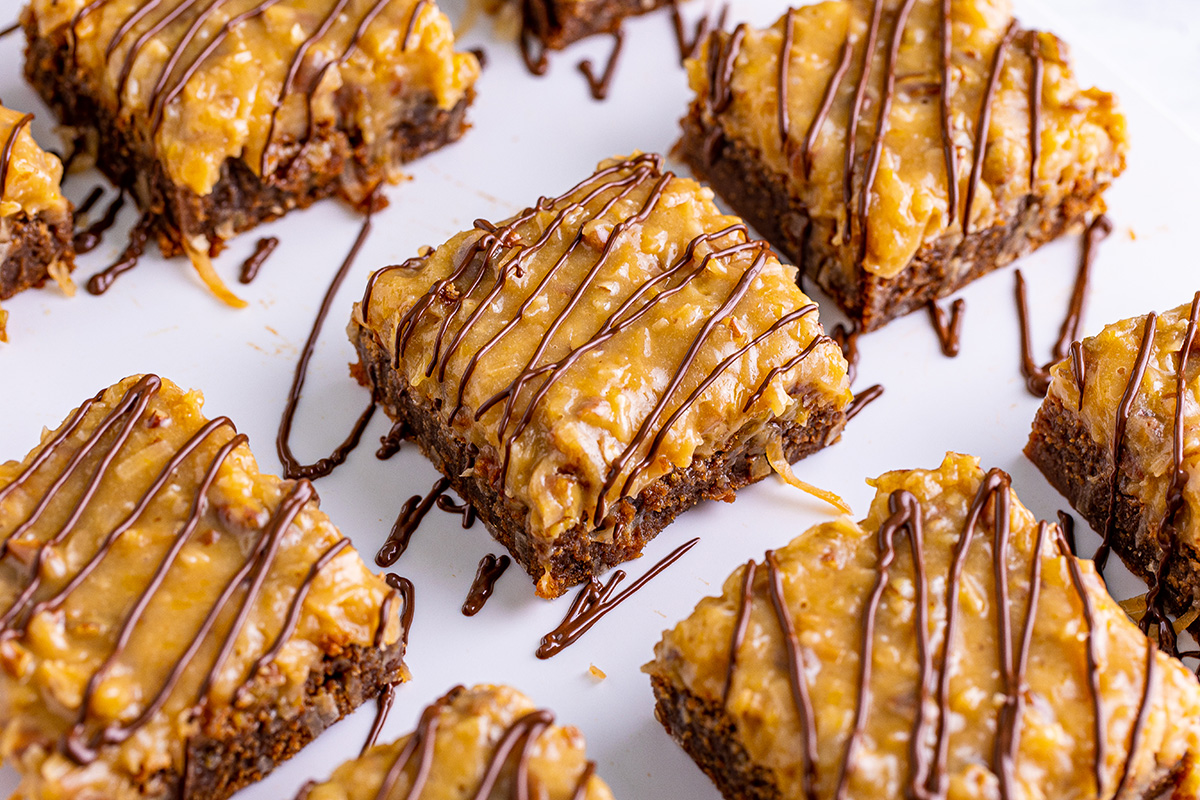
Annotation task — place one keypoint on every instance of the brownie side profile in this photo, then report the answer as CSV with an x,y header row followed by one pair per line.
x,y
35,244
529,358
830,667
576,556
304,161
893,177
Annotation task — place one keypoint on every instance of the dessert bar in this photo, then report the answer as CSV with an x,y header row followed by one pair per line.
x,y
1114,437
947,646
897,150
484,742
585,371
36,223
217,116
173,623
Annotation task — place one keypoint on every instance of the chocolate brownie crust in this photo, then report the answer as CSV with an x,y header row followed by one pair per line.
x,y
1078,467
34,244
310,170
575,556
239,748
939,268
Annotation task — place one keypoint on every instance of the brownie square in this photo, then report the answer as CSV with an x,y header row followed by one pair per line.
x,y
587,370
219,116
895,152
173,623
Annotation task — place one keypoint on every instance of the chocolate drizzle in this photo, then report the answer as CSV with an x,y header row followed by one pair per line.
x,y
594,600
97,452
292,468
946,35
599,87
739,628
984,122
536,22
87,240
90,201
1132,387
831,89
486,264
860,92
948,331
1037,377
781,92
490,570
464,510
389,443
847,339
383,707
688,49
6,153
411,514
1078,370
13,28
862,400
262,251
1035,108
139,234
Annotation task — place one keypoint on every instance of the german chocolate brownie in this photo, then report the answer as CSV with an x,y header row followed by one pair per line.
x,y
485,742
36,223
218,116
173,623
1113,437
898,149
587,370
949,645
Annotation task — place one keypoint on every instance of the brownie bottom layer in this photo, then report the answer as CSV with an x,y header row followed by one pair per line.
x,y
571,21
1063,449
707,734
328,163
575,556
241,747
938,269
32,246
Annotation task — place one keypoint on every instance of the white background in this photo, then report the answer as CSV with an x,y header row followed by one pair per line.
x,y
538,136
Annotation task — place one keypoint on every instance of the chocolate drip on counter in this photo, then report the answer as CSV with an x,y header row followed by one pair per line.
x,y
594,600
1168,534
98,451
862,400
465,510
139,234
500,252
262,251
860,92
389,443
946,36
688,49
383,707
948,331
536,21
599,87
13,28
292,468
411,514
88,239
90,201
984,122
1037,377
847,339
739,629
6,153
490,570
831,90
881,124
1132,387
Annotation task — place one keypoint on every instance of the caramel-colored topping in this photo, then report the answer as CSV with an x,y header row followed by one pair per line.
x,y
30,177
485,742
600,340
1136,410
946,646
903,120
251,79
153,579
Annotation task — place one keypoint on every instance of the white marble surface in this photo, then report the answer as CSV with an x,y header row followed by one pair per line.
x,y
531,137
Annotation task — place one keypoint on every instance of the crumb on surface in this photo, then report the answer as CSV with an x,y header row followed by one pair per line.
x,y
597,673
